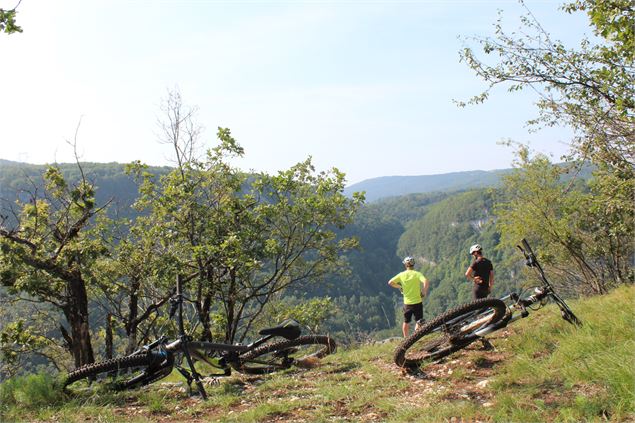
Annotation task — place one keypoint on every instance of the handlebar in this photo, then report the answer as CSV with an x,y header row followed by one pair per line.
x,y
547,289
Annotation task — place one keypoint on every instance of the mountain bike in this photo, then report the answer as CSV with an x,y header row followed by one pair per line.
x,y
279,348
459,327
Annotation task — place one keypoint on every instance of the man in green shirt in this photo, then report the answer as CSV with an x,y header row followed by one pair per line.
x,y
414,286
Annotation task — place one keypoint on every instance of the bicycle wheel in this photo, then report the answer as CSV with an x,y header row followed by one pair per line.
x,y
116,374
304,351
448,332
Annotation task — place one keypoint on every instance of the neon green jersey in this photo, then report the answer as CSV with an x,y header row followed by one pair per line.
x,y
410,281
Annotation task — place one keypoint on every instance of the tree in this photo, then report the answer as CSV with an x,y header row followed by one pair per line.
x,y
592,90
136,277
7,20
46,254
191,210
536,203
240,238
290,238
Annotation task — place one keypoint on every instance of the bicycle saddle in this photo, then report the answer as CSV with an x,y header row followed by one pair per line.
x,y
289,329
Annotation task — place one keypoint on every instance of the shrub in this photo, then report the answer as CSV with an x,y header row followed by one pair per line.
x,y
30,392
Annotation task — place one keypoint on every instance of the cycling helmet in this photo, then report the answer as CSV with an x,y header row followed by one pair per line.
x,y
409,261
475,247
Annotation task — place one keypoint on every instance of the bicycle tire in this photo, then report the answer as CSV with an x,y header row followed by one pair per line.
x,y
104,374
447,329
284,354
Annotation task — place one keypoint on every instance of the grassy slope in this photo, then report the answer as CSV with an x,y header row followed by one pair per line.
x,y
543,369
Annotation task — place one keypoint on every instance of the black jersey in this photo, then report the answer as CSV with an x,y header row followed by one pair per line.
x,y
482,267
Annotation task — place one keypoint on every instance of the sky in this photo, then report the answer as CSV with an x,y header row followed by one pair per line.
x,y
367,87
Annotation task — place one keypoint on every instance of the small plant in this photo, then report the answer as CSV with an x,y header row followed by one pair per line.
x,y
156,404
31,392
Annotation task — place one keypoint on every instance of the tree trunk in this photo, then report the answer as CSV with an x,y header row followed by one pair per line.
x,y
229,328
133,311
204,317
109,347
76,313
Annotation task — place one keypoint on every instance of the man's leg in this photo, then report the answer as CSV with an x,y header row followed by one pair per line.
x,y
418,313
407,315
479,291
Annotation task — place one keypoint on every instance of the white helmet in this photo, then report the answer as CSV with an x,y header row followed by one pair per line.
x,y
409,261
475,247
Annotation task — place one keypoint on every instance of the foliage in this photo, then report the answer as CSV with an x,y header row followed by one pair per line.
x,y
310,313
30,393
585,253
367,268
136,278
591,89
111,184
241,240
47,255
357,317
7,21
16,342
406,208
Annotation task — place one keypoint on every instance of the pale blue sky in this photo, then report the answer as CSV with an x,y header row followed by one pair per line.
x,y
365,86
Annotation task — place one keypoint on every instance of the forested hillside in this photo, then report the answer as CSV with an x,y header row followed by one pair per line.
x,y
441,238
435,227
355,303
110,179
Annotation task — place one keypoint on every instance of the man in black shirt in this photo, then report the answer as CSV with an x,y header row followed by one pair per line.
x,y
481,272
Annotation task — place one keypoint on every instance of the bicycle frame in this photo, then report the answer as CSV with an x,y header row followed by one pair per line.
x,y
279,348
518,308
464,324
164,351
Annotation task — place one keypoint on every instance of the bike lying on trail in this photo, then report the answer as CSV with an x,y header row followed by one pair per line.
x,y
464,324
157,360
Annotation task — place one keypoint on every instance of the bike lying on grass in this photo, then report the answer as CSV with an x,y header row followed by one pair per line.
x,y
157,360
464,324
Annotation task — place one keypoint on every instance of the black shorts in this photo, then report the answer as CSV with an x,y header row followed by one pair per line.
x,y
410,310
480,291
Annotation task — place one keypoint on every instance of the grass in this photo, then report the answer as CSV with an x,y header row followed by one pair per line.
x,y
584,373
35,393
543,369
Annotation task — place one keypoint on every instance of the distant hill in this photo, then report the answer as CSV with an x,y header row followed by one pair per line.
x,y
112,183
392,186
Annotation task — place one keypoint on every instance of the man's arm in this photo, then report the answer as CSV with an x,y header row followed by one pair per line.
x,y
394,282
491,279
468,273
426,285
